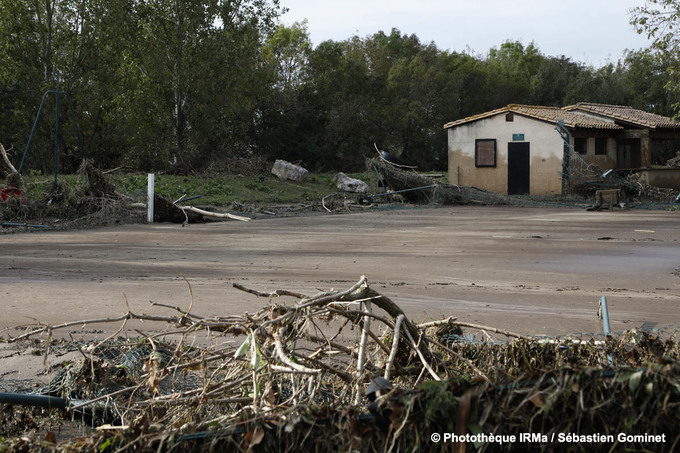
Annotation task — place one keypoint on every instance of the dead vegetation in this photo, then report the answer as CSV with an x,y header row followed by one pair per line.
x,y
93,200
293,377
585,179
414,187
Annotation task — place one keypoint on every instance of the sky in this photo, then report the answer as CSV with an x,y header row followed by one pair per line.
x,y
594,32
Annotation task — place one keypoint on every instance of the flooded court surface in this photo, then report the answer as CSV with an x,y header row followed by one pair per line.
x,y
532,271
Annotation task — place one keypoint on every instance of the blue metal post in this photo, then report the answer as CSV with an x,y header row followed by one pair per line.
x,y
56,137
56,145
35,125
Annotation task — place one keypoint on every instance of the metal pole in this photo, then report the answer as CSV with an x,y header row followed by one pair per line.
x,y
56,146
566,137
56,137
35,125
605,316
401,191
605,324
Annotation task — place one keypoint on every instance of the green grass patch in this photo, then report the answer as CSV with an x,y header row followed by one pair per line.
x,y
215,190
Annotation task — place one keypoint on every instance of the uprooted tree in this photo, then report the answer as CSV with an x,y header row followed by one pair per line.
x,y
293,377
7,170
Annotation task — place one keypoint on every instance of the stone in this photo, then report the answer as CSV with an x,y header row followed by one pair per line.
x,y
348,184
286,170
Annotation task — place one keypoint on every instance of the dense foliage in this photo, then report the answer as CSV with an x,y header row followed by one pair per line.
x,y
198,83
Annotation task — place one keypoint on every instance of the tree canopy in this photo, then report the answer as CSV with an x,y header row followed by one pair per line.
x,y
660,21
196,83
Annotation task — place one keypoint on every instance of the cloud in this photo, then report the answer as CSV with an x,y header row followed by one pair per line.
x,y
591,31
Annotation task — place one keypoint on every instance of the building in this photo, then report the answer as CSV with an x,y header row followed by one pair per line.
x,y
519,149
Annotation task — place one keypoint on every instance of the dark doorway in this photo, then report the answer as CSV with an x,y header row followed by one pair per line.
x,y
518,168
628,155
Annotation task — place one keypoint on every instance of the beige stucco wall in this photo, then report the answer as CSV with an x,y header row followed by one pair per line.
x,y
661,177
603,161
545,151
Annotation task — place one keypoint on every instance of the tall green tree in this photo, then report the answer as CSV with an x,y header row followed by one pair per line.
x,y
197,64
646,76
286,123
42,41
342,92
152,80
511,68
660,21
550,83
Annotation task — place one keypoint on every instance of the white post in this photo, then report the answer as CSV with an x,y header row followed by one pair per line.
x,y
149,199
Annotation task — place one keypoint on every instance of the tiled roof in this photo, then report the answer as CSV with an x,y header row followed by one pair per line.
x,y
570,119
626,114
581,115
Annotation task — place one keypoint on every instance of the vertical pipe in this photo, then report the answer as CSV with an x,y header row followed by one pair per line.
x,y
56,137
566,137
605,324
149,202
30,137
605,316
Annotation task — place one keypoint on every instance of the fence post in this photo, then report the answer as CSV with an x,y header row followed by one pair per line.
x,y
149,200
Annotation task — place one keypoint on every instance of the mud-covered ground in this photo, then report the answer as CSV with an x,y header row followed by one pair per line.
x,y
533,271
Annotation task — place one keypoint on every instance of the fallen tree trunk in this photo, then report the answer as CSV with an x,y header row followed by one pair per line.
x,y
14,179
6,159
219,215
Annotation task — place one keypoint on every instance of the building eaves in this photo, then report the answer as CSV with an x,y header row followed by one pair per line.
x,y
479,116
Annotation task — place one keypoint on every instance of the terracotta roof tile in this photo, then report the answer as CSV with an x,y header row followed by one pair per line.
x,y
582,115
570,119
626,114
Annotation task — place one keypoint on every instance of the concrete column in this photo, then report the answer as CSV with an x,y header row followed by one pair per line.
x,y
645,151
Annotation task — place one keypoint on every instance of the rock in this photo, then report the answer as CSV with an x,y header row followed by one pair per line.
x,y
344,182
286,170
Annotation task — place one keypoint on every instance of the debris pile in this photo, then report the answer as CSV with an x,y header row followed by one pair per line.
x,y
585,179
296,377
674,162
92,200
417,188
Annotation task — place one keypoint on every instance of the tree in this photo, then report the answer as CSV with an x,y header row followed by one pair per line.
x,y
660,21
42,40
646,76
550,84
341,91
151,79
196,63
287,121
511,68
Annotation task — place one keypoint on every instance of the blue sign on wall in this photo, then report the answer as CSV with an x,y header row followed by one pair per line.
x,y
517,137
